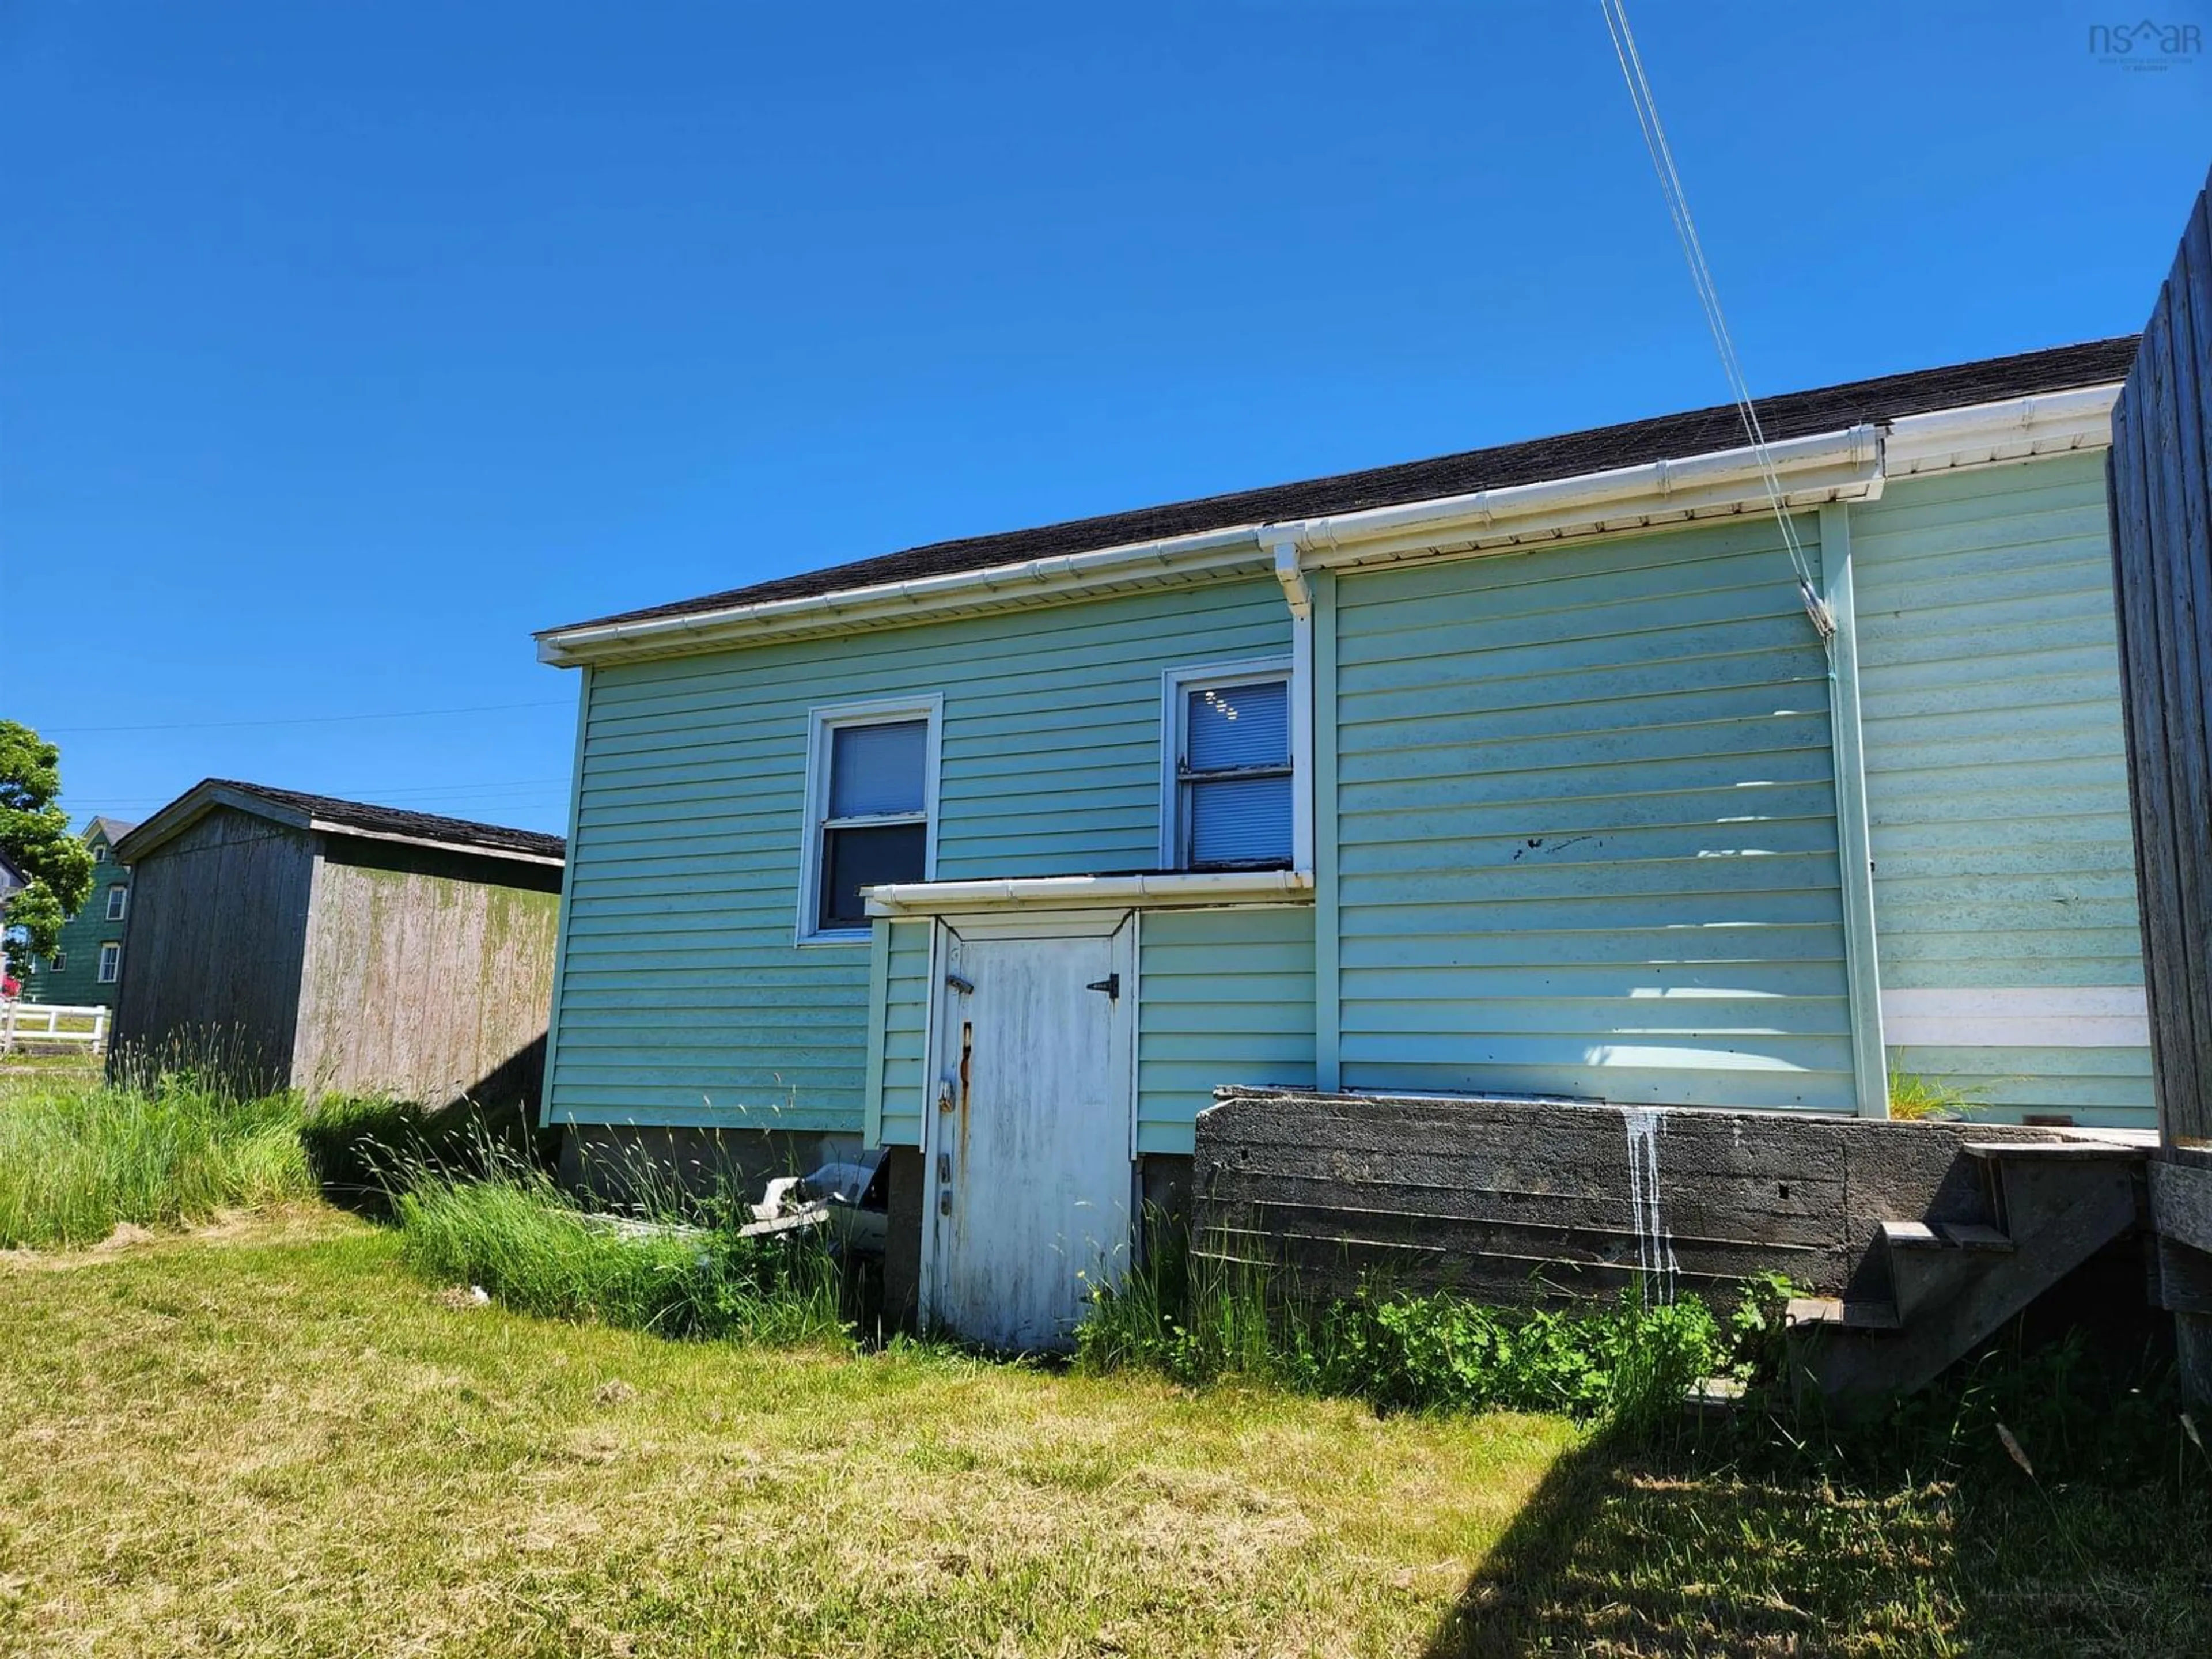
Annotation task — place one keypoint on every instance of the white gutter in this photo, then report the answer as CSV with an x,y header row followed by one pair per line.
x,y
1981,433
891,602
1850,464
930,898
1830,467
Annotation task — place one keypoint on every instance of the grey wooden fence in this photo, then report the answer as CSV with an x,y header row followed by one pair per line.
x,y
2160,476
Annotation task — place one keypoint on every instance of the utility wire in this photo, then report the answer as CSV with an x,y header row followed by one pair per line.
x,y
1709,297
546,786
312,720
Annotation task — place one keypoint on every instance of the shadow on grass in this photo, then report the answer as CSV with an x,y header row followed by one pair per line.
x,y
360,1149
1740,1539
1624,1550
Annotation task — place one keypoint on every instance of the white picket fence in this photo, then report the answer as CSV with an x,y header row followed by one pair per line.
x,y
43,1023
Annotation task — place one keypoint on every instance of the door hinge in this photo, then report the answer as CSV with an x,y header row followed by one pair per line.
x,y
1111,985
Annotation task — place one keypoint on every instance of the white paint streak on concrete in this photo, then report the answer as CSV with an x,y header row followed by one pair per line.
x,y
1655,1247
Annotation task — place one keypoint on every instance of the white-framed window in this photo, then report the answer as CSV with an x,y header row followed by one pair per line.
x,y
110,963
100,852
117,898
1227,798
871,809
59,961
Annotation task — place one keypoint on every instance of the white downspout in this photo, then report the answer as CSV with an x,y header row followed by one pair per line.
x,y
1297,592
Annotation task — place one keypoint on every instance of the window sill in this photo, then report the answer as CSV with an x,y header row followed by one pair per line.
x,y
924,898
856,936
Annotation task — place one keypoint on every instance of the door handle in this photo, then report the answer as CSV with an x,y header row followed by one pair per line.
x,y
1111,985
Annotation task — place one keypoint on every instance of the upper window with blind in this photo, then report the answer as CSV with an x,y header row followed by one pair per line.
x,y
1228,806
872,797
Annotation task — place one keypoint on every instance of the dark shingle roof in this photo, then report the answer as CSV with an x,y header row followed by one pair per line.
x,y
1668,437
462,834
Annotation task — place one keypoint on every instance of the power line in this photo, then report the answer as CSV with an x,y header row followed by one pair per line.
x,y
311,720
1709,296
547,786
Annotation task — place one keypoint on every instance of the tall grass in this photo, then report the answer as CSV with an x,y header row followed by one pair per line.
x,y
1199,1315
78,1158
506,1227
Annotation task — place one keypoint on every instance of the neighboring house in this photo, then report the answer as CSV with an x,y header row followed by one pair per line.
x,y
1523,770
86,966
296,941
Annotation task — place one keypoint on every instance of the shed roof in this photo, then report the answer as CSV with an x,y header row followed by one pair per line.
x,y
328,813
1693,432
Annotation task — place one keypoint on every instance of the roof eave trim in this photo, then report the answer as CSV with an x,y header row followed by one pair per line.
x,y
1827,466
189,808
937,898
2010,429
999,587
473,848
1851,464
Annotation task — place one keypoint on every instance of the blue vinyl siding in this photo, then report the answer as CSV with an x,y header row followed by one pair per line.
x,y
1586,826
684,998
905,1081
1996,765
1224,996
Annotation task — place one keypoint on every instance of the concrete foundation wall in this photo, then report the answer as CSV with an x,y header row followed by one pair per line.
x,y
902,1239
607,1159
1517,1200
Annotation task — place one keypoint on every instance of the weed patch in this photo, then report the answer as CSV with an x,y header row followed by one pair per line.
x,y
506,1227
78,1158
1198,1317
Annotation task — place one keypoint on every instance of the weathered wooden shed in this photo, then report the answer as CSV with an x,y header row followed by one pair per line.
x,y
297,940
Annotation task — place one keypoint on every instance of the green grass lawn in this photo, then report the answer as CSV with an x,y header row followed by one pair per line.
x,y
269,1438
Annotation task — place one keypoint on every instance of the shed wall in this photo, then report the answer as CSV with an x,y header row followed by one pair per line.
x,y
684,997
426,975
1585,830
211,954
1997,790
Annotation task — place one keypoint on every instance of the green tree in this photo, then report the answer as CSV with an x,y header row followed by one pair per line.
x,y
35,835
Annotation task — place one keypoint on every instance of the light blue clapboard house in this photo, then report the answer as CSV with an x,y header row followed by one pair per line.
x,y
1552,769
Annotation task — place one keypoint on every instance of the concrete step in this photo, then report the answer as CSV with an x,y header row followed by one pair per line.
x,y
1943,1236
2056,1152
1954,1283
1911,1235
1833,1313
1972,1236
1930,1264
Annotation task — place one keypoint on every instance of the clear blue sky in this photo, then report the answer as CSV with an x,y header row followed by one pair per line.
x,y
343,345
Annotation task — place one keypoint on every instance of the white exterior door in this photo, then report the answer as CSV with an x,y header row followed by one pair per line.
x,y
1031,1173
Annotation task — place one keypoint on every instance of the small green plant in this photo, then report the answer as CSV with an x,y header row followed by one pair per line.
x,y
1914,1098
1758,1328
